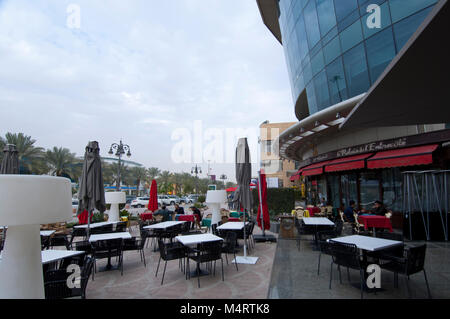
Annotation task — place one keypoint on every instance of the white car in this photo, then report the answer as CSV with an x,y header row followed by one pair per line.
x,y
166,200
140,202
74,205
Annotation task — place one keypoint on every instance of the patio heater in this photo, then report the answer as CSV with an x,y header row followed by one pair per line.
x,y
49,200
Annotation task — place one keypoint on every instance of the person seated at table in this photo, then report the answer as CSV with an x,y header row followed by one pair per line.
x,y
197,211
349,211
179,210
167,214
379,209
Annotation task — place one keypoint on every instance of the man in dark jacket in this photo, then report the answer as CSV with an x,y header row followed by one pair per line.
x,y
179,210
379,209
167,214
348,212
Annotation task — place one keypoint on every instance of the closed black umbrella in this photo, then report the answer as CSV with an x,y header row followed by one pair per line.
x,y
10,162
91,194
243,195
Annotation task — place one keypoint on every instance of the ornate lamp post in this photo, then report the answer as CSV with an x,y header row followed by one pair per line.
x,y
196,170
120,150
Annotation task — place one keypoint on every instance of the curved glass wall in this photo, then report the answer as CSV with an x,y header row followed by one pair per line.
x,y
332,51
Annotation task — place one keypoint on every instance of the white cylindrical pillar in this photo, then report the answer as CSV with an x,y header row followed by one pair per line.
x,y
21,266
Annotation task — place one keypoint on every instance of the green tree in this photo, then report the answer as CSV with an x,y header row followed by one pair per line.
x,y
62,162
164,182
152,173
31,158
138,174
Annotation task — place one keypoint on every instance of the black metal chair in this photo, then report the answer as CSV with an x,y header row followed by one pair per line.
x,y
77,232
411,263
323,244
121,227
106,249
229,246
206,252
346,255
397,251
55,282
45,242
136,244
84,245
77,260
58,240
105,229
169,251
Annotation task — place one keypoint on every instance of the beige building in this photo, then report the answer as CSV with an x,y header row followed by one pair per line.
x,y
271,164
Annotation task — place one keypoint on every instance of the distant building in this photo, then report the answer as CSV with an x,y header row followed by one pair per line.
x,y
271,164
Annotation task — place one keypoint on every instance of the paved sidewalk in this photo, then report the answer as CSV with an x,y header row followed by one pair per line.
x,y
251,281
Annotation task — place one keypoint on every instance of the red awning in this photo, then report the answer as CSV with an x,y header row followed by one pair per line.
x,y
295,177
314,169
420,155
347,163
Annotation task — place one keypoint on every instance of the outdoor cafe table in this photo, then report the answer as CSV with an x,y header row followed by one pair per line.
x,y
109,236
317,222
164,225
375,222
232,226
365,244
52,255
47,233
146,216
94,225
192,240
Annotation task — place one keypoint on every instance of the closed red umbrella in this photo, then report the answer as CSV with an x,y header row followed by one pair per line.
x,y
263,216
153,201
231,189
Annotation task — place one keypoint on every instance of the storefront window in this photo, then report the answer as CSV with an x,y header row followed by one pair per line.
x,y
392,189
349,188
370,189
334,184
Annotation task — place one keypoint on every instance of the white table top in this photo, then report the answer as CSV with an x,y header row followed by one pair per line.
x,y
367,243
317,221
197,239
52,255
124,235
47,232
232,226
94,225
164,225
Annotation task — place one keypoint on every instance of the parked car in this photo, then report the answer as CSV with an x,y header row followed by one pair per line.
x,y
193,198
140,202
130,198
186,200
174,199
166,200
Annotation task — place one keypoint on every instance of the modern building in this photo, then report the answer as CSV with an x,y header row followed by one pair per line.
x,y
275,168
369,82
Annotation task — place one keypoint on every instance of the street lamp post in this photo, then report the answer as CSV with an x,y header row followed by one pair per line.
x,y
120,150
196,170
223,177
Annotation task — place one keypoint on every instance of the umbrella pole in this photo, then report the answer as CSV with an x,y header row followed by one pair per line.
x,y
89,224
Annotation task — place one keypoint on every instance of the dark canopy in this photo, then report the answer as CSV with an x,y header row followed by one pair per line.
x,y
91,194
243,195
10,161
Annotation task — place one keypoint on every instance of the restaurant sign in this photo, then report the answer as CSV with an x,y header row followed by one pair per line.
x,y
407,141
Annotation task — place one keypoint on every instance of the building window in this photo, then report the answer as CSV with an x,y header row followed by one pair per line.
x,y
357,76
344,7
336,82
349,188
380,52
401,9
404,29
327,17
370,189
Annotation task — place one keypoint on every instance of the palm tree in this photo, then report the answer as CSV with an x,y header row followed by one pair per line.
x,y
31,158
63,163
138,174
153,172
164,182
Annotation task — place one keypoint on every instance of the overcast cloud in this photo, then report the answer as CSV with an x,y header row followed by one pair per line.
x,y
138,70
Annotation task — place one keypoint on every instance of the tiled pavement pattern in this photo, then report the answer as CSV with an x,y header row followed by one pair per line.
x,y
294,275
251,281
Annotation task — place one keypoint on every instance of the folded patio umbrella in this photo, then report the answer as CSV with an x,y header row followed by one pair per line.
x,y
263,210
153,201
91,194
10,161
243,195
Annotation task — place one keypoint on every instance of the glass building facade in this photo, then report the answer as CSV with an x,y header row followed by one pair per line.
x,y
334,54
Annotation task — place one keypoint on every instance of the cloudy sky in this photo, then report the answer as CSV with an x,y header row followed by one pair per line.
x,y
156,74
